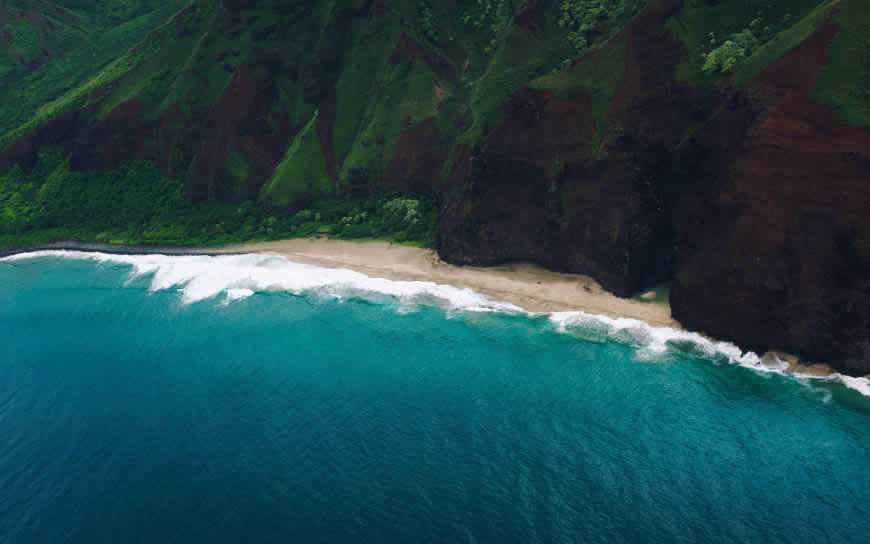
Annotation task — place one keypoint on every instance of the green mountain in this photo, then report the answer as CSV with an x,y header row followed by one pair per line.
x,y
50,47
723,145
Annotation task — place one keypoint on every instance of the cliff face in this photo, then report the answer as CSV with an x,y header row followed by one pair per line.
x,y
624,159
776,245
584,154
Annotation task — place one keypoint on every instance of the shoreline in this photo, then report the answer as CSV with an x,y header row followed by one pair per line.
x,y
528,286
105,247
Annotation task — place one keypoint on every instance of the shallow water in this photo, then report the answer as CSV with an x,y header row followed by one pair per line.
x,y
198,399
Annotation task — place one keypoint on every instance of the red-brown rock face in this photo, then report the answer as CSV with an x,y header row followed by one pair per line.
x,y
234,126
777,252
551,186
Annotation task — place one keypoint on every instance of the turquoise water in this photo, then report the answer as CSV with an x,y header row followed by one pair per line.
x,y
247,399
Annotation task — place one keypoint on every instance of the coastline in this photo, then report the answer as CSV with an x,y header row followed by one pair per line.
x,y
104,247
528,286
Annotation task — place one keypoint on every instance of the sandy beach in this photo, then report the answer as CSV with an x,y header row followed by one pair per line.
x,y
525,285
528,286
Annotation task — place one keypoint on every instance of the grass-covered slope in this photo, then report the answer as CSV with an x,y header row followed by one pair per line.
x,y
49,47
286,103
844,82
138,204
224,88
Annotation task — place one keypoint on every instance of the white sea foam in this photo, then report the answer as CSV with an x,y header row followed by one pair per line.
x,y
201,277
862,385
237,294
656,340
237,277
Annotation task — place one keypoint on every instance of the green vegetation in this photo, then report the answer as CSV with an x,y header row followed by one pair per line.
x,y
519,58
426,20
582,18
25,39
597,77
63,44
237,166
381,92
726,57
844,82
490,17
348,96
783,42
705,27
137,204
302,173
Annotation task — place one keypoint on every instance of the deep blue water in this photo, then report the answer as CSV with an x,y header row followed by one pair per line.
x,y
130,415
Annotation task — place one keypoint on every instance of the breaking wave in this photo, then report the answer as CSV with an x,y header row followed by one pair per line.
x,y
236,277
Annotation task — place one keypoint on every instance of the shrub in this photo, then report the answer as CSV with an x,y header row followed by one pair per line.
x,y
136,203
357,231
355,218
425,7
401,212
580,17
489,18
303,216
728,55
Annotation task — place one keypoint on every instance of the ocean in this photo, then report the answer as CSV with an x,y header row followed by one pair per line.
x,y
249,399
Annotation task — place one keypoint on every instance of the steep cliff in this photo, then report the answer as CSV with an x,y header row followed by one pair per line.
x,y
724,145
775,245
